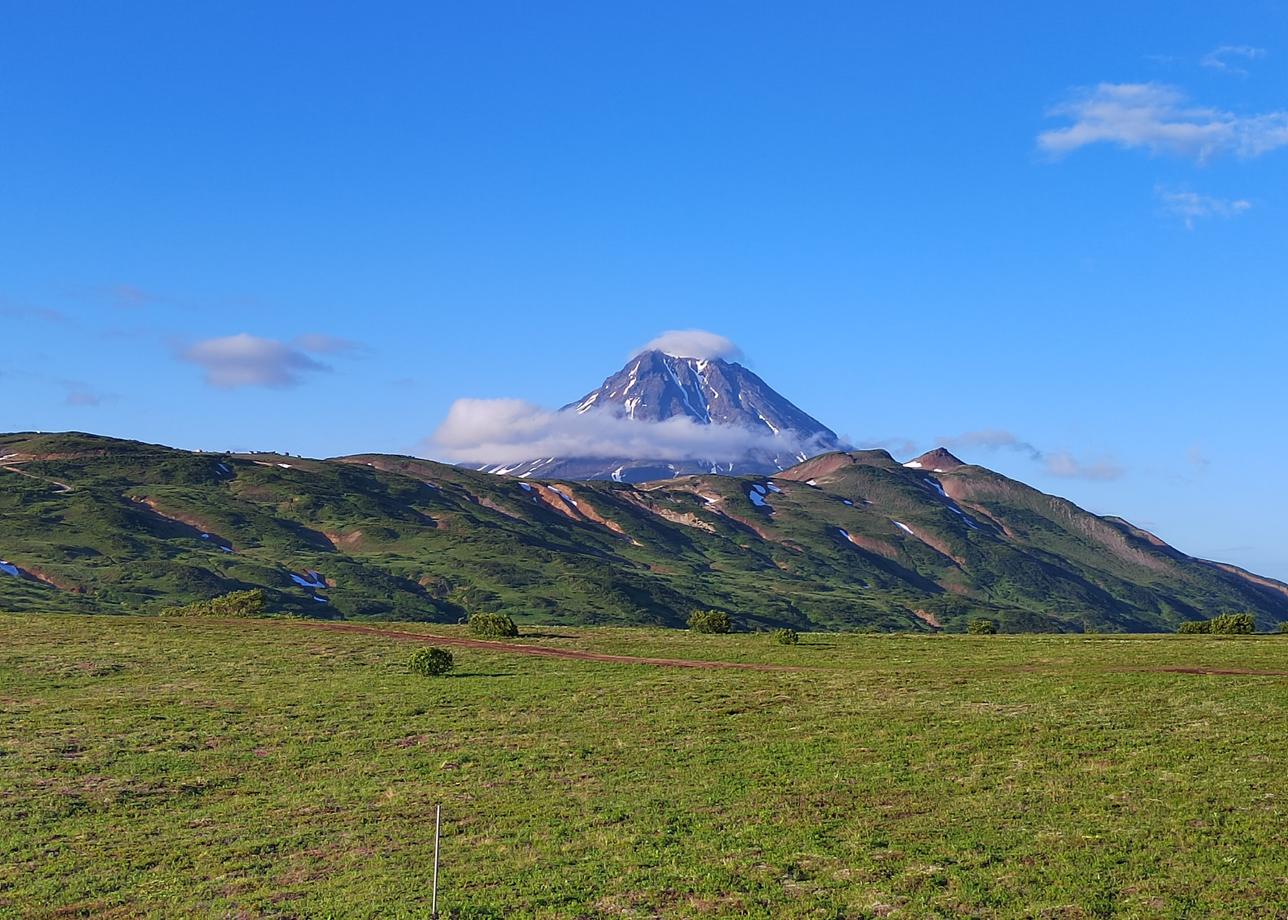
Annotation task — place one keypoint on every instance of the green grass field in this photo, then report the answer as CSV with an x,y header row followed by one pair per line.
x,y
271,769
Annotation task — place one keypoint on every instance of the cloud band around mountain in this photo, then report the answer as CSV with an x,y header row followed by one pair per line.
x,y
512,430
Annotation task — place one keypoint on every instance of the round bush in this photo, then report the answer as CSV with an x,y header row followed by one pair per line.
x,y
786,636
981,627
710,621
431,662
493,625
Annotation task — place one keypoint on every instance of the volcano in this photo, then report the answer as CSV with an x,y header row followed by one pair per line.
x,y
655,387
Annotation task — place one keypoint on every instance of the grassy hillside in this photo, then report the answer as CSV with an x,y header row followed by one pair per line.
x,y
169,768
843,541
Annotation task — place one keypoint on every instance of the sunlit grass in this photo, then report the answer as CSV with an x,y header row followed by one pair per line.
x,y
271,769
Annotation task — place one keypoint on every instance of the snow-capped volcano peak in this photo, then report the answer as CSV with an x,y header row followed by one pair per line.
x,y
656,386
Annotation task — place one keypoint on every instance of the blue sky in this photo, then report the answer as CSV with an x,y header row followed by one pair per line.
x,y
1054,234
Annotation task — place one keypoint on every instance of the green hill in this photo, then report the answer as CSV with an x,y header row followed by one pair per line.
x,y
846,540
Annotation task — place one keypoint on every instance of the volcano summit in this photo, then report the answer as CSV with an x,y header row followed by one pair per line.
x,y
709,415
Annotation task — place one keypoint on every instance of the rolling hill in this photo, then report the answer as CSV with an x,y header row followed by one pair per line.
x,y
844,540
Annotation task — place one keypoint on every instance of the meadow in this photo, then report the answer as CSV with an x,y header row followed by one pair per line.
x,y
271,768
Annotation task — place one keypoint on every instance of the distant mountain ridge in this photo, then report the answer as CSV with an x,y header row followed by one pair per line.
x,y
655,387
844,540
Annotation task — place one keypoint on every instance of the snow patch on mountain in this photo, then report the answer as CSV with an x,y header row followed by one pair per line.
x,y
309,579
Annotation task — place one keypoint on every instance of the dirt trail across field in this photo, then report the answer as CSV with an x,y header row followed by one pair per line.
x,y
7,463
518,648
1214,672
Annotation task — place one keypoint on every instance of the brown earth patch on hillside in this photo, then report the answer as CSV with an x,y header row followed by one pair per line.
x,y
872,545
928,618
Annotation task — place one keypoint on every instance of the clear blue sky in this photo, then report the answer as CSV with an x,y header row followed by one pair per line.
x,y
1063,224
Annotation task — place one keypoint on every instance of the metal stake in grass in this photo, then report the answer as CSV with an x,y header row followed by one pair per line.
x,y
433,903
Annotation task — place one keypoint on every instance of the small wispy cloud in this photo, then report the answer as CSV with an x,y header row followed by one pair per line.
x,y
1190,207
321,344
1197,458
1161,120
80,394
693,343
245,360
896,446
1055,463
991,439
11,310
1226,57
130,296
1065,465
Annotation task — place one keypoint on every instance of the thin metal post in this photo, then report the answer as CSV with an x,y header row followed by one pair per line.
x,y
433,906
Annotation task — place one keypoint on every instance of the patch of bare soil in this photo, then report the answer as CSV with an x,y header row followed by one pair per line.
x,y
928,618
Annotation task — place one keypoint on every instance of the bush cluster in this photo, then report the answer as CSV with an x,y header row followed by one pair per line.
x,y
786,636
710,621
1226,624
236,604
980,626
493,625
431,662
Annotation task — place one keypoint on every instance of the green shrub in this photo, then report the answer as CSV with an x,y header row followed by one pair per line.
x,y
1225,624
237,604
981,626
493,625
1283,627
1234,624
710,621
431,662
786,636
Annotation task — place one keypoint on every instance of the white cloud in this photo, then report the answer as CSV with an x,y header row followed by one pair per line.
x,y
1191,206
246,360
510,430
1158,118
1058,463
693,343
1223,58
